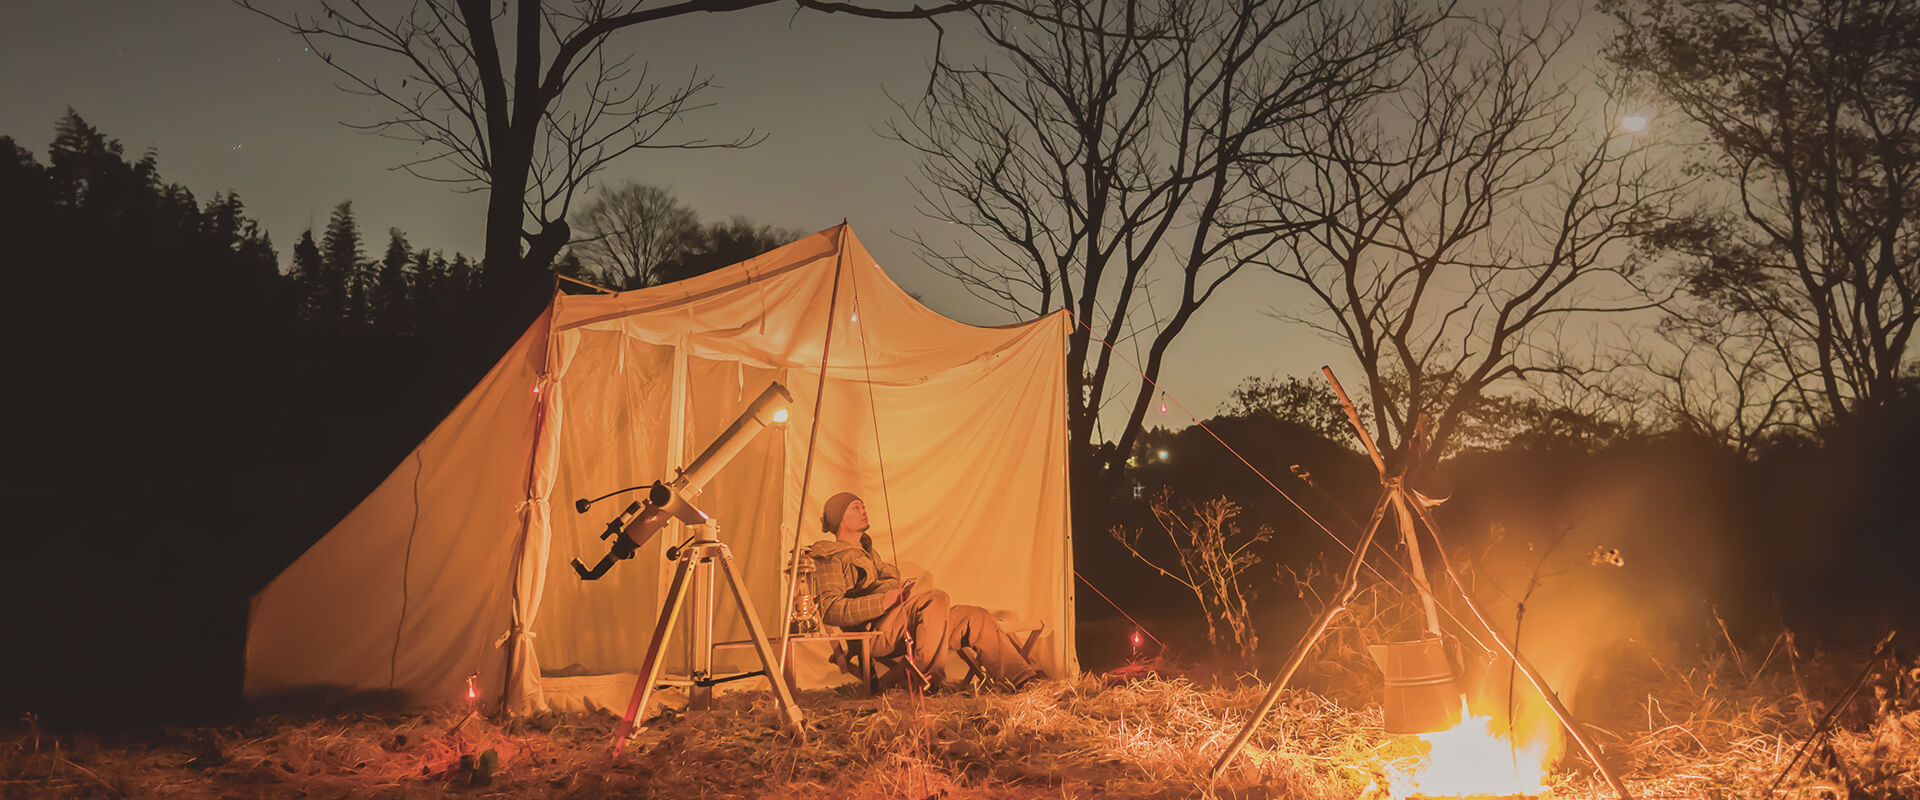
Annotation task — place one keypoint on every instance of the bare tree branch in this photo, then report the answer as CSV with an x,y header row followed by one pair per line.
x,y
1081,161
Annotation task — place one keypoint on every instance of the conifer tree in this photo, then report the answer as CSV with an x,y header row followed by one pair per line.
x,y
464,275
340,259
319,297
391,308
429,288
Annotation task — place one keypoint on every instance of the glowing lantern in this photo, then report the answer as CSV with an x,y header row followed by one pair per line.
x,y
473,690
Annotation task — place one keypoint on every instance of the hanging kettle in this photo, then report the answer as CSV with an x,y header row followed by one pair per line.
x,y
1422,693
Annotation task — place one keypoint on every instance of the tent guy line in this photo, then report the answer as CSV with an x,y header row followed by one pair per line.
x,y
1166,396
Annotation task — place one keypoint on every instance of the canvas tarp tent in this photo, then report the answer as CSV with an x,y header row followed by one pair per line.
x,y
458,563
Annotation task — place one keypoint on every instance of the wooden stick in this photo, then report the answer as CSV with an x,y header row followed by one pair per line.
x,y
1833,713
1418,569
1353,416
1540,685
1348,585
600,289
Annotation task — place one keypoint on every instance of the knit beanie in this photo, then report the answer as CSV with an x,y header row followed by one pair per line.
x,y
835,509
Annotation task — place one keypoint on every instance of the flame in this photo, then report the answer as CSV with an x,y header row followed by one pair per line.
x,y
1470,759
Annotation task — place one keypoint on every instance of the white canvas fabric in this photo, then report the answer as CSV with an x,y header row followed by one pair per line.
x,y
458,563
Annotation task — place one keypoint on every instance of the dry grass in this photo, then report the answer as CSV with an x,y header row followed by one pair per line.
x,y
1730,727
1709,731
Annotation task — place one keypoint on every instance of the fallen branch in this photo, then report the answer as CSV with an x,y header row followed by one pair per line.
x,y
1833,713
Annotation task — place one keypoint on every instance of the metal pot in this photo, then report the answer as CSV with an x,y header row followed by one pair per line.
x,y
1422,693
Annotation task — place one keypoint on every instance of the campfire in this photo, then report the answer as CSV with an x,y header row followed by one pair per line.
x,y
1470,760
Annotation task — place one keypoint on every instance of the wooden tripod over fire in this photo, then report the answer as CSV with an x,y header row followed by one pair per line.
x,y
1407,504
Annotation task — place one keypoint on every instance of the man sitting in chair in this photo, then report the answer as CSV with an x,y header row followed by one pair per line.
x,y
855,590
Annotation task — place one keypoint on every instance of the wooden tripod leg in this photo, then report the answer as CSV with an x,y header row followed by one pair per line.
x,y
1587,745
656,651
761,646
1348,585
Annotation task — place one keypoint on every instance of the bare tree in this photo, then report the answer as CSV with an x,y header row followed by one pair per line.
x,y
628,233
1724,384
1211,553
1083,162
521,98
1807,254
1453,228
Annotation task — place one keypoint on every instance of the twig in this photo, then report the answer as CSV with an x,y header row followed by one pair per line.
x,y
1833,713
1738,662
1519,617
89,773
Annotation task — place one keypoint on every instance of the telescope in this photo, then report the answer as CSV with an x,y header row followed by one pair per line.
x,y
667,500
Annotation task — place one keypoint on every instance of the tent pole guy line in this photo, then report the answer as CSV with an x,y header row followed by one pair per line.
x,y
1236,454
1460,623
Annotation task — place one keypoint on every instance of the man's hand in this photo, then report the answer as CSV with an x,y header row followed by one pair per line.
x,y
894,596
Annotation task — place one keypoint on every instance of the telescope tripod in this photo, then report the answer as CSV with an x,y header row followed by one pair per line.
x,y
704,551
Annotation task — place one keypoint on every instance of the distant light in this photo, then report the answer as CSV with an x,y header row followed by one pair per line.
x,y
856,317
1633,123
1163,455
779,416
1136,638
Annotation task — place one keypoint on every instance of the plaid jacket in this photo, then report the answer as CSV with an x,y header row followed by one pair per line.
x,y
849,583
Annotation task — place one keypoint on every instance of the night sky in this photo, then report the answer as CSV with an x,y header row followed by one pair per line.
x,y
231,102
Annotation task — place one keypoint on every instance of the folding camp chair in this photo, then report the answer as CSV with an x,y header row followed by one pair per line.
x,y
1023,635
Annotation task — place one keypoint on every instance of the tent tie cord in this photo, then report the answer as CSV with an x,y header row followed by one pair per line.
x,y
1123,612
873,413
1167,397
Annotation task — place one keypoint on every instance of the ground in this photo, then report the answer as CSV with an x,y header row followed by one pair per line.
x,y
1717,729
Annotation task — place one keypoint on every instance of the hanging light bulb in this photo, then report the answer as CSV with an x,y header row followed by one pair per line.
x,y
473,689
1163,402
